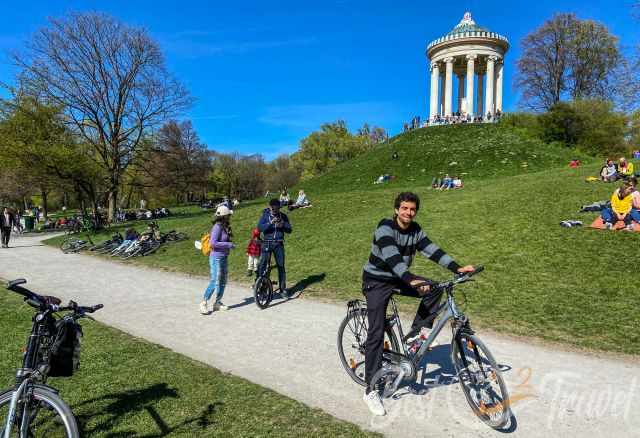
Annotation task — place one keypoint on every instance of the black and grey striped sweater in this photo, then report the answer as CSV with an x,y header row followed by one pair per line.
x,y
392,252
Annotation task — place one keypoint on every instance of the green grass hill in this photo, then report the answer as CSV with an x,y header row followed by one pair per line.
x,y
470,151
575,285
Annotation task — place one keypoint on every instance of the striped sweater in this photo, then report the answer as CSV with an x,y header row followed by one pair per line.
x,y
392,252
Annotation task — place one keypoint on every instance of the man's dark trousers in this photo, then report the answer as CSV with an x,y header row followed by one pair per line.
x,y
378,294
278,251
6,232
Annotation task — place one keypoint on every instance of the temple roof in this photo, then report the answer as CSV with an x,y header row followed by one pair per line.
x,y
467,28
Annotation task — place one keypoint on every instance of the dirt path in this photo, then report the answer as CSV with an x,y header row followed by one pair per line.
x,y
291,348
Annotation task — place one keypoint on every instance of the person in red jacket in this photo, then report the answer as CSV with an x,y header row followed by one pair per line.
x,y
253,252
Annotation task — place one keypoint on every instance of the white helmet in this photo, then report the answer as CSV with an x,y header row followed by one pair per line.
x,y
223,210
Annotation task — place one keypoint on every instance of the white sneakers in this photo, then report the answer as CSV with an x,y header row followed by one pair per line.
x,y
220,306
206,309
374,403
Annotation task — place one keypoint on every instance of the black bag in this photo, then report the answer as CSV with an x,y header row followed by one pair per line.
x,y
64,358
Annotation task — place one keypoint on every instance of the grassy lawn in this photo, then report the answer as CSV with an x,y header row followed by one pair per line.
x,y
577,286
129,387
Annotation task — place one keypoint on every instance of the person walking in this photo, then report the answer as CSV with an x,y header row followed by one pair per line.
x,y
7,222
220,240
395,243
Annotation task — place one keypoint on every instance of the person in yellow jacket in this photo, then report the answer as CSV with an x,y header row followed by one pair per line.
x,y
625,168
621,208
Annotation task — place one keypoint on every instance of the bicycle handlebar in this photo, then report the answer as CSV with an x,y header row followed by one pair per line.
x,y
458,278
44,302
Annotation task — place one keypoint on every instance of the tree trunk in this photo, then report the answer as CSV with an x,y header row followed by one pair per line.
x,y
45,209
65,199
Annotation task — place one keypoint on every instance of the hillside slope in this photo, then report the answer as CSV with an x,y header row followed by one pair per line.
x,y
471,151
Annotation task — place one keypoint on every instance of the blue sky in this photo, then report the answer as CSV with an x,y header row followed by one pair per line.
x,y
266,74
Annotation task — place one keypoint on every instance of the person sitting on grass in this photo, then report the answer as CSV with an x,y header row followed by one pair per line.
x,y
447,182
625,168
301,202
635,196
457,182
609,172
436,182
621,208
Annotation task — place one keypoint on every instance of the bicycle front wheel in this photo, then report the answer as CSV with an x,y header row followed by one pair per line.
x,y
352,339
46,415
69,244
263,292
481,380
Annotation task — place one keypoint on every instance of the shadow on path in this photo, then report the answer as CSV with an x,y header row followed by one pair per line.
x,y
305,283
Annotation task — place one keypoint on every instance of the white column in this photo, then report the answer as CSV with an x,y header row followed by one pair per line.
x,y
442,81
448,88
470,74
435,76
491,77
460,93
499,77
480,104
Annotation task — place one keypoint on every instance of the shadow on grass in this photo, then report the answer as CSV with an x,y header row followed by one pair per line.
x,y
301,285
112,411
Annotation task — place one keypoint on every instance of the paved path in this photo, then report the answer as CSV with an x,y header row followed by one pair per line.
x,y
291,348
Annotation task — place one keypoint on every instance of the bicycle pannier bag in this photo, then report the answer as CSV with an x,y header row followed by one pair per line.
x,y
65,352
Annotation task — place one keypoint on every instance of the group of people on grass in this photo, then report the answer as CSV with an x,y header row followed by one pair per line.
x,y
301,201
625,206
446,183
612,171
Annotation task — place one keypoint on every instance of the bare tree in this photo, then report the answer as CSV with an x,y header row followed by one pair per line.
x,y
567,58
111,80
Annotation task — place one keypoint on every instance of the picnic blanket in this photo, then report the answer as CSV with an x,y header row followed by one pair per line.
x,y
599,224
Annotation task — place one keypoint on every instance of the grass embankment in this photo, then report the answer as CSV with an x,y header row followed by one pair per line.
x,y
128,387
470,151
577,286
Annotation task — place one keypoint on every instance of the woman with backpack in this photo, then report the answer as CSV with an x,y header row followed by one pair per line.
x,y
220,244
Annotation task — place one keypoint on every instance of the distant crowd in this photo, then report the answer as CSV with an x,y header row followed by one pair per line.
x,y
454,119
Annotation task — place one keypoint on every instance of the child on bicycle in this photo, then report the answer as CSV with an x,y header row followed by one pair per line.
x,y
253,252
395,242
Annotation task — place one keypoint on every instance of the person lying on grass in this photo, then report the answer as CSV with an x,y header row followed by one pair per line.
x,y
621,208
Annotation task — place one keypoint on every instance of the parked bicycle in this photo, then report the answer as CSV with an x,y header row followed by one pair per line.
x,y
32,408
73,244
476,370
109,244
263,287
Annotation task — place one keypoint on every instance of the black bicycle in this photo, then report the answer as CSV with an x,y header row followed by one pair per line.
x,y
477,371
32,408
263,289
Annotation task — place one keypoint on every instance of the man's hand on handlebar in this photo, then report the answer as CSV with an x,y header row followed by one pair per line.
x,y
465,269
421,284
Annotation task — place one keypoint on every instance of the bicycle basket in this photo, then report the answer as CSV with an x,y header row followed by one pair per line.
x,y
64,358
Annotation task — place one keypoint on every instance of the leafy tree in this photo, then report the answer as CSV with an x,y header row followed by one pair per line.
x,y
567,58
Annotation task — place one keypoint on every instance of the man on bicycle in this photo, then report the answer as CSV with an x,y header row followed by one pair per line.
x,y
273,224
395,243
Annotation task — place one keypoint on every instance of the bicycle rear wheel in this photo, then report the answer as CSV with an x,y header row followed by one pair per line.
x,y
263,292
481,380
352,338
69,244
48,415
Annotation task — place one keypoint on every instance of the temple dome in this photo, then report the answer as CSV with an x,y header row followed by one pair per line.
x,y
468,28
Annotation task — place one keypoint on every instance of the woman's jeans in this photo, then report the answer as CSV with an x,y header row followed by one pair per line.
x,y
218,281
609,216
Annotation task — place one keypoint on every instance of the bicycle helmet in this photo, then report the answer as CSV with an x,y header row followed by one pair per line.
x,y
223,210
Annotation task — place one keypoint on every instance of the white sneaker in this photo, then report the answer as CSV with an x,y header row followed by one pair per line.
x,y
219,306
608,225
374,403
204,308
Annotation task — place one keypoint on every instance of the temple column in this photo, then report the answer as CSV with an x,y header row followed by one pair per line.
x,y
480,103
448,88
470,76
460,93
435,76
441,111
499,77
490,81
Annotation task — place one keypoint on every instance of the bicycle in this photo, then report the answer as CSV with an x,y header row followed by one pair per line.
x,y
32,408
108,245
263,287
73,244
477,371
